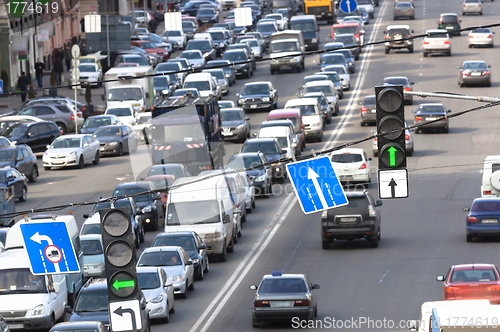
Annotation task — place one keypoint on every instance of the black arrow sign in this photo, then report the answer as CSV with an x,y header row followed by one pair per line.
x,y
120,311
393,185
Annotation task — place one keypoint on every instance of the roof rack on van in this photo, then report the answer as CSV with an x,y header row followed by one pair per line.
x,y
43,216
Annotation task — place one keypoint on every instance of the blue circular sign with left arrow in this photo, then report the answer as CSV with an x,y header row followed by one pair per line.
x,y
348,6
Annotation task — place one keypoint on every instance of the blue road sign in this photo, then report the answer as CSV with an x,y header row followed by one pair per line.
x,y
1,86
316,185
49,248
348,6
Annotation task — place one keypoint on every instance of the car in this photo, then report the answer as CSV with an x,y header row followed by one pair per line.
x,y
126,114
431,112
163,85
282,297
474,72
436,41
87,326
257,35
92,304
349,40
368,5
359,219
177,35
158,291
368,110
219,39
352,166
254,45
235,124
225,65
357,19
281,21
343,74
223,104
175,262
328,89
21,158
409,142
246,183
405,10
398,37
205,46
147,198
221,78
193,244
192,92
471,282
297,138
240,61
207,15
332,76
450,22
481,37
472,7
195,58
267,29
405,82
34,134
139,59
272,150
329,59
257,169
14,181
116,140
93,256
7,121
70,102
151,48
177,170
284,137
258,95
483,217
326,108
490,185
3,234
189,28
71,150
175,68
89,73
349,58
248,50
66,119
93,122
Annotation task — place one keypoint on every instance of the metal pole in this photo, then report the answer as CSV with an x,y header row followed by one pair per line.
x,y
75,87
133,13
107,40
483,99
34,36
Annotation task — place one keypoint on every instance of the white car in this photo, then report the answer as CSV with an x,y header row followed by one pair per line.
x,y
352,166
126,114
481,37
358,19
176,35
142,120
71,150
158,291
93,256
280,20
436,41
90,73
254,45
368,5
343,73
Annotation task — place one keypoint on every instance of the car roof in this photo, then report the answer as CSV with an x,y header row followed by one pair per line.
x,y
246,154
90,237
70,326
398,26
171,234
258,140
450,14
284,112
147,269
395,78
486,199
472,266
259,83
142,184
231,109
162,248
319,83
430,104
73,136
436,30
349,150
284,276
344,24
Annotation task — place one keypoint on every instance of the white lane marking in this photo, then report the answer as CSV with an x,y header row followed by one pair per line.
x,y
384,276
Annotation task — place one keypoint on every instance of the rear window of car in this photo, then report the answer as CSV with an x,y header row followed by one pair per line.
x,y
357,204
403,5
404,32
347,158
449,19
369,100
473,275
282,285
437,35
484,206
396,81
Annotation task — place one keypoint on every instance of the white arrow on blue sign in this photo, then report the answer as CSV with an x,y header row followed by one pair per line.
x,y
316,185
348,6
49,248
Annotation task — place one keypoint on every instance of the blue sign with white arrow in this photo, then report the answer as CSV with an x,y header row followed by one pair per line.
x,y
316,185
348,6
49,248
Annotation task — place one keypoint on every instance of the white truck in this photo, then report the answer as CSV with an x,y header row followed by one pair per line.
x,y
466,319
132,86
286,50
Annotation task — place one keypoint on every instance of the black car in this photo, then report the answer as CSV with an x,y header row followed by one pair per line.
x,y
206,15
92,304
257,168
271,148
360,219
205,46
11,179
257,96
192,243
79,326
240,61
116,139
219,39
247,48
35,134
229,70
21,158
150,203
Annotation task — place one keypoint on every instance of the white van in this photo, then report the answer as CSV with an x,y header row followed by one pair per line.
x,y
311,116
466,319
203,35
490,186
74,281
284,136
204,82
203,205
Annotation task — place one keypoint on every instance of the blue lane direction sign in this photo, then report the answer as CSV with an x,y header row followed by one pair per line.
x,y
316,185
49,248
348,6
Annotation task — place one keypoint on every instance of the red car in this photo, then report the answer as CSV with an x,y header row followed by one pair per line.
x,y
472,282
151,48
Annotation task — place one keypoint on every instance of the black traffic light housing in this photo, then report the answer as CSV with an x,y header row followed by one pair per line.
x,y
119,254
390,120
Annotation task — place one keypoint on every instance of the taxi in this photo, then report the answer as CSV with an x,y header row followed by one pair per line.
x,y
280,297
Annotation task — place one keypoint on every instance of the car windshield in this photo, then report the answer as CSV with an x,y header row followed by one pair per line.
x,y
437,35
266,28
281,46
174,33
122,94
231,116
160,81
160,258
66,143
431,109
195,212
339,70
188,25
21,281
327,90
293,119
252,42
199,85
136,59
245,162
218,74
16,131
191,55
87,68
347,40
303,26
264,147
96,122
163,170
167,67
206,11
314,78
122,111
7,155
148,280
225,104
91,247
344,30
146,45
346,53
183,92
334,77
92,301
473,275
282,285
217,35
396,81
92,228
186,242
255,89
475,65
199,45
234,56
274,17
346,158
108,131
305,110
134,191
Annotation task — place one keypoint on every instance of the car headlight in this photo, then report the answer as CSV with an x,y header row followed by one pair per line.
x,y
195,261
95,266
241,101
266,99
276,164
157,299
72,154
241,126
227,75
260,178
314,40
350,63
112,143
317,124
146,209
213,235
13,142
38,310
175,278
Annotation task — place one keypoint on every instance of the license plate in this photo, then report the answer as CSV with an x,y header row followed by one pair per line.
x,y
253,106
345,177
281,304
350,219
102,149
227,134
449,28
475,74
489,221
374,110
16,326
430,119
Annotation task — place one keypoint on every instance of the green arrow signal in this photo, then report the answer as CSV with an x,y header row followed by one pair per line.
x,y
123,284
392,156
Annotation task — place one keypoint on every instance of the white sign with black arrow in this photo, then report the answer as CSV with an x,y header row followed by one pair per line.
x,y
125,316
393,184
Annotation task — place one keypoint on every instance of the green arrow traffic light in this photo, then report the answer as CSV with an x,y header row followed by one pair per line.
x,y
117,284
392,156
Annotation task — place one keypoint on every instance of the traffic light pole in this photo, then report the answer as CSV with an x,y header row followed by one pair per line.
x,y
482,99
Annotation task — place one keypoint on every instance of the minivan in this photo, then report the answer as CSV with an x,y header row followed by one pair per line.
x,y
203,82
310,30
312,116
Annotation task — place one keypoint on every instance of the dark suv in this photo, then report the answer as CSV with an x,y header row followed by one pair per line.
x,y
397,37
35,134
21,158
257,168
240,61
258,95
273,152
450,22
360,219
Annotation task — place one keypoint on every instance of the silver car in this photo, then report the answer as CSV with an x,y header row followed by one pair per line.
x,y
93,256
254,44
235,124
221,78
158,291
481,37
472,7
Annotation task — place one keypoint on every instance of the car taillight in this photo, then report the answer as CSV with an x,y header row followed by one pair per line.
x,y
84,108
485,73
407,89
301,303
418,118
363,166
465,73
407,137
371,211
426,43
261,303
453,290
79,114
386,37
375,139
471,36
490,36
72,117
486,192
409,36
447,42
493,288
364,109
471,219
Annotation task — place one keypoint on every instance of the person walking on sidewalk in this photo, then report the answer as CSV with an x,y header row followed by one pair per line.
x,y
39,68
152,26
59,69
68,57
23,82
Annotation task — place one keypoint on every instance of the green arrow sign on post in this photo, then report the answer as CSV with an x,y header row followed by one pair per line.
x,y
117,284
392,156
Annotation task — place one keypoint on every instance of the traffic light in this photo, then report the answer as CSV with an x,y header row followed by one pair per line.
x,y
119,254
390,118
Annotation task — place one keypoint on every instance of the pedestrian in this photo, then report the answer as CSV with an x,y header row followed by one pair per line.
x,y
39,68
68,57
59,69
83,49
23,82
152,26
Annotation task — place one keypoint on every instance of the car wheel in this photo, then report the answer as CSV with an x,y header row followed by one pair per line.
x,y
223,255
410,49
120,150
426,54
320,138
470,46
409,153
326,244
46,168
255,323
469,237
373,243
235,237
387,50
137,241
201,276
446,130
81,162
34,174
166,319
61,127
253,204
461,85
207,266
488,84
191,287
97,158
24,195
230,248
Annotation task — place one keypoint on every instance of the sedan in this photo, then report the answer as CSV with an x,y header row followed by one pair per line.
x,y
343,73
405,82
332,59
481,37
71,150
258,95
404,9
255,46
483,218
474,73
430,113
221,79
352,166
176,264
93,122
207,15
116,139
235,124
194,57
257,168
16,182
90,73
159,292
93,256
368,111
472,7
229,70
471,282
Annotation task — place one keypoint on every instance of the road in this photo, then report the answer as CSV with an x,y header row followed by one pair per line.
x,y
422,236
